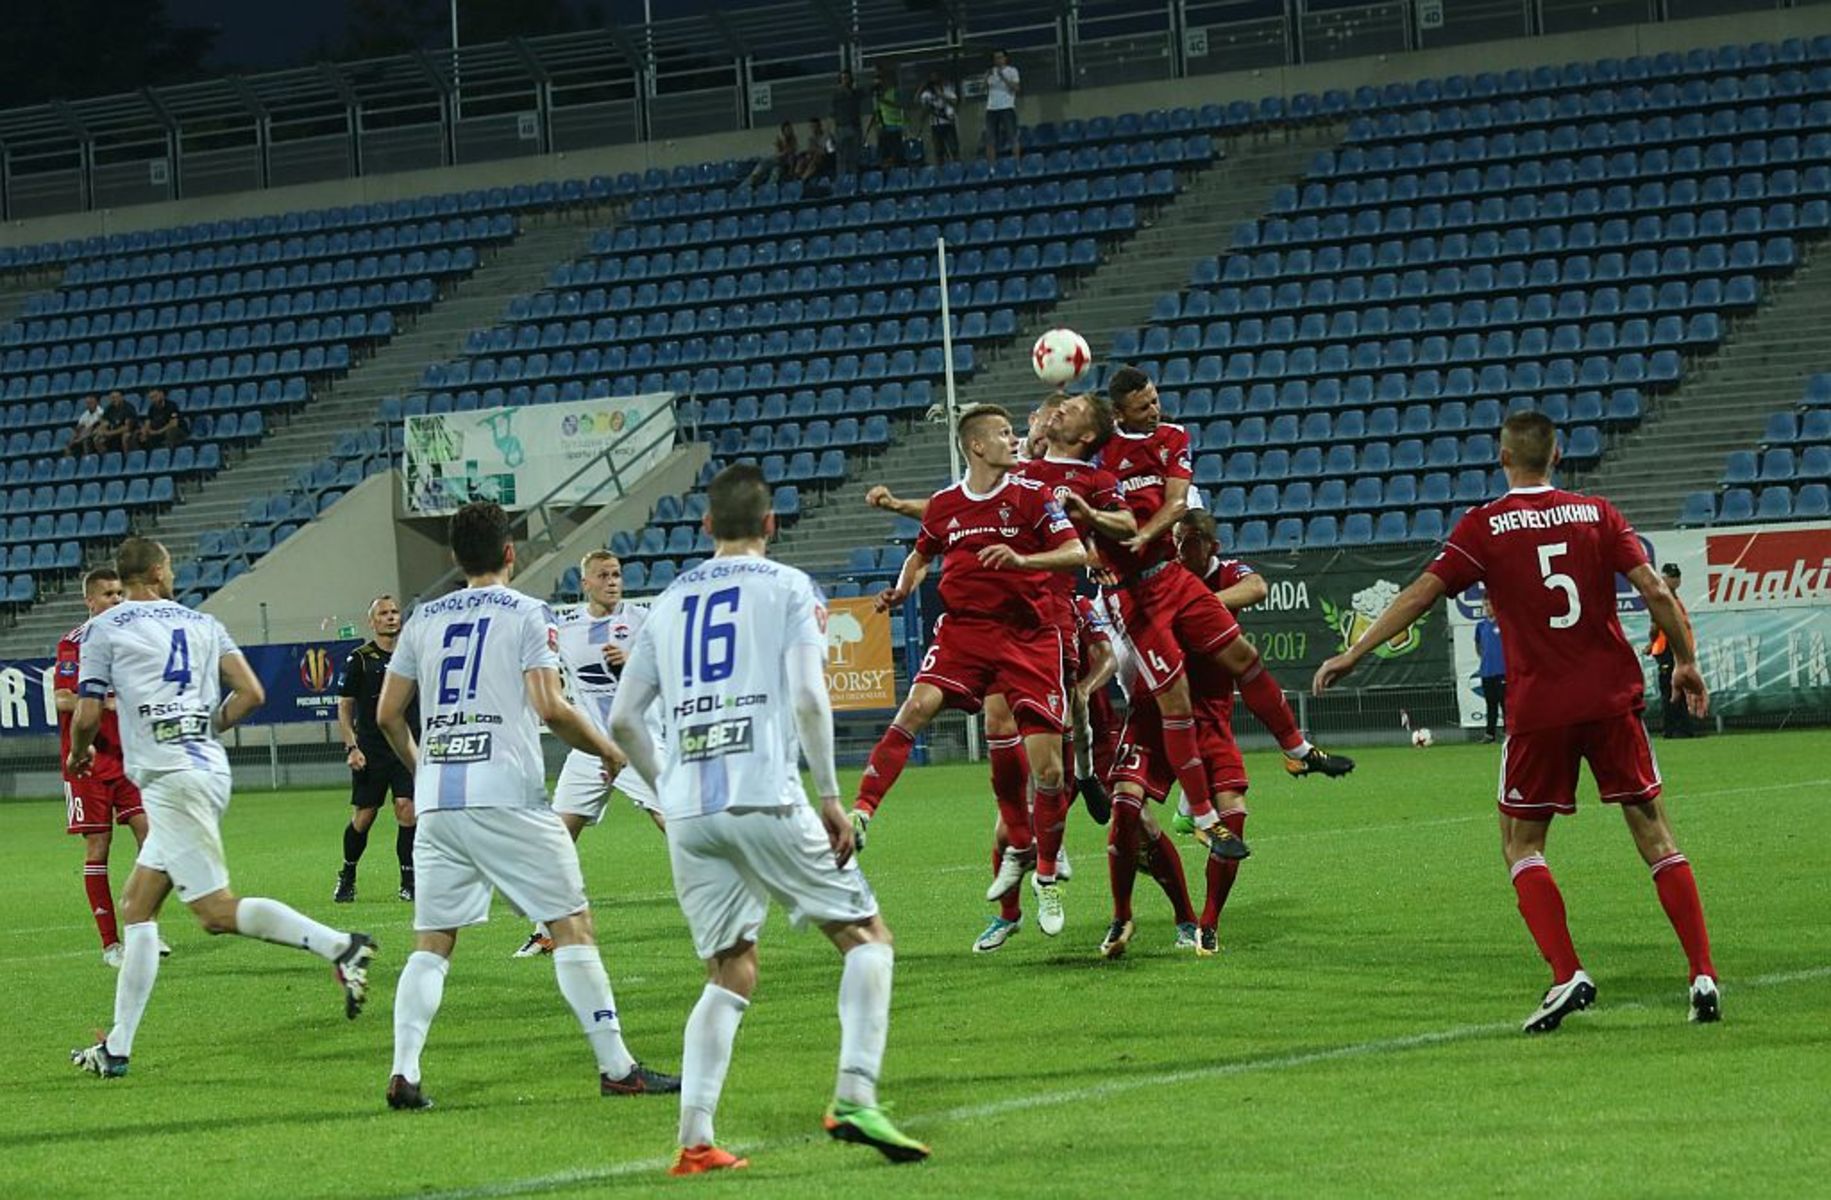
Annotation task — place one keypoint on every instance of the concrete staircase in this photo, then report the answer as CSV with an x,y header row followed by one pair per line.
x,y
348,404
1724,401
1118,294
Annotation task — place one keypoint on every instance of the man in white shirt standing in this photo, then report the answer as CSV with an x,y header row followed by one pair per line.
x,y
734,653
168,667
1003,86
485,661
594,642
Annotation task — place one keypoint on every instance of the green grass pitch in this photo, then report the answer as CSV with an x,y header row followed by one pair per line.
x,y
1358,1036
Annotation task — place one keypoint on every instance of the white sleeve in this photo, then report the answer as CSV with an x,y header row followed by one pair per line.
x,y
225,645
807,613
805,666
95,670
539,639
405,661
637,689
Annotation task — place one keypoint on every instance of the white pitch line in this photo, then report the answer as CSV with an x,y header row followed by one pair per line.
x,y
973,1112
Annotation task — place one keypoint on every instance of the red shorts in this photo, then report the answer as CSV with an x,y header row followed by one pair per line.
x,y
1538,770
1168,617
971,658
94,805
1140,759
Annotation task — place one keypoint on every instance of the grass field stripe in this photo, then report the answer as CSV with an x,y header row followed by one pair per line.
x,y
972,1112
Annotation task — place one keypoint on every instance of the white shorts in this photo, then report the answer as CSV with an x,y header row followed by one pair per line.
x,y
460,854
184,812
581,791
729,864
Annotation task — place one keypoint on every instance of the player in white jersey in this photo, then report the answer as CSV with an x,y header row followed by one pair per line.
x,y
734,654
594,641
168,666
485,663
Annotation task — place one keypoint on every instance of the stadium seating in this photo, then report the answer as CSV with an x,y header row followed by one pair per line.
x,y
1788,478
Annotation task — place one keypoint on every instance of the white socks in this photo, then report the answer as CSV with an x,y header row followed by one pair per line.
x,y
416,1003
274,922
134,986
705,1058
582,981
864,1021
1300,751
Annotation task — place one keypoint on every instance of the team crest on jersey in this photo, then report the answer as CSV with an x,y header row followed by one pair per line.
x,y
553,638
1004,514
1163,454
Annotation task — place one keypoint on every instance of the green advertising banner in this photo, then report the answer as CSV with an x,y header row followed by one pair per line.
x,y
1319,602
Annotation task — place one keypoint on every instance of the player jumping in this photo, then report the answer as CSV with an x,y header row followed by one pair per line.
x,y
996,534
168,667
1549,558
734,656
486,661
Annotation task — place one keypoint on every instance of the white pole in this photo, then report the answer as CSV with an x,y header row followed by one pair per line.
x,y
954,465
457,86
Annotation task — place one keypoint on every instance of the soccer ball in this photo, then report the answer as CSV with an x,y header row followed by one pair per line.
x,y
1421,738
1059,356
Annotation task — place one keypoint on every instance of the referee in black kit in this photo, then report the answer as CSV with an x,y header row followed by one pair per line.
x,y
374,769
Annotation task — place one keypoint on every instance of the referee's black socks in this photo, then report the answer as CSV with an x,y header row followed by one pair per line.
x,y
355,841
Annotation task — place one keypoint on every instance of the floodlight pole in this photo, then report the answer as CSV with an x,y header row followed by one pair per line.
x,y
954,465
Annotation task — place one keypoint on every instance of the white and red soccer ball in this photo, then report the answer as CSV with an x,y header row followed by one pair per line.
x,y
1421,738
1060,356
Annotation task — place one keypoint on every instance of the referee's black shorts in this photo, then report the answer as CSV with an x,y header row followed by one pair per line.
x,y
370,786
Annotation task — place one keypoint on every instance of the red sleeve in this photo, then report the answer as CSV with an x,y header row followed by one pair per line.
x,y
1461,563
1176,463
69,659
1232,571
1623,545
927,543
1052,524
1103,492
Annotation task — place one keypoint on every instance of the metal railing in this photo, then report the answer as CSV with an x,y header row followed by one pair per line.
x,y
743,68
545,523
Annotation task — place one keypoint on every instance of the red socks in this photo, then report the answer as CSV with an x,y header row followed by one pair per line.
x,y
1221,872
888,759
1122,838
1266,699
1011,787
1542,905
1166,867
1184,750
101,901
1677,889
1051,818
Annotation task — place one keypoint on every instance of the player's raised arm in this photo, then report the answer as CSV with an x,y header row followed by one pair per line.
x,y
1662,606
882,497
1244,593
1406,608
243,689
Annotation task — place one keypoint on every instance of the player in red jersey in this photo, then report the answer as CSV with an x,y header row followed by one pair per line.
x,y
1142,771
996,645
1166,613
1574,693
105,796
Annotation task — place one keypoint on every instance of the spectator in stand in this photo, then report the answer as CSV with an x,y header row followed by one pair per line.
x,y
819,153
847,123
82,434
115,431
887,117
1677,718
162,426
781,168
942,104
1003,85
1493,667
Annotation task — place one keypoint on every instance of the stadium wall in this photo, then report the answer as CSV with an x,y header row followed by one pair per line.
x,y
1619,41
